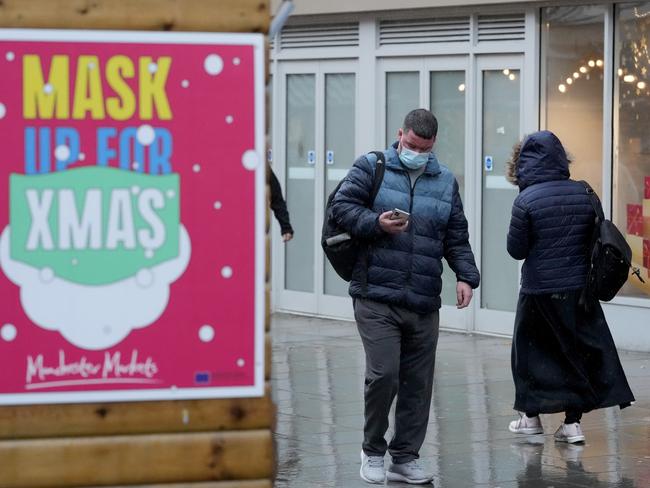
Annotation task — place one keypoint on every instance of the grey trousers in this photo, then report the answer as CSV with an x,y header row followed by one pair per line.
x,y
400,348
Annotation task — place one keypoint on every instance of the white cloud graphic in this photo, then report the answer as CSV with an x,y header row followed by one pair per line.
x,y
95,317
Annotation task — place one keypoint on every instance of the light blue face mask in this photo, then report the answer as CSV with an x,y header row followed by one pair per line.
x,y
412,159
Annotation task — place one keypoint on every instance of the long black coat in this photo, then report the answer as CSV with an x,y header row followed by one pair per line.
x,y
563,356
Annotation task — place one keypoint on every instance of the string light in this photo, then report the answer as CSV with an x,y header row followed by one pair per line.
x,y
582,70
634,59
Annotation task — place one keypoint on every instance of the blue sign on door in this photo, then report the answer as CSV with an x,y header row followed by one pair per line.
x,y
488,163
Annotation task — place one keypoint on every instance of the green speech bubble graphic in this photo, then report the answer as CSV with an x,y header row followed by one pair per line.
x,y
94,225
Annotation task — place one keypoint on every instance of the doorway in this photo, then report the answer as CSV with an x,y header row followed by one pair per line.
x,y
318,109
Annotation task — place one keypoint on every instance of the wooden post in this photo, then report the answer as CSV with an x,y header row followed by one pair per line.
x,y
191,443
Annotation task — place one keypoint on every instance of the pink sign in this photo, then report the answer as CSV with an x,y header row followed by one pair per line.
x,y
131,216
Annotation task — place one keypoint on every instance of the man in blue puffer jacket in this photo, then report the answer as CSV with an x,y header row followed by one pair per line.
x,y
396,287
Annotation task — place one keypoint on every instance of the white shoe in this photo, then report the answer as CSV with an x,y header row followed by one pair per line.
x,y
526,425
410,472
570,433
372,469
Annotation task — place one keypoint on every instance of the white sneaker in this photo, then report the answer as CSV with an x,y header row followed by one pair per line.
x,y
372,469
570,433
410,472
526,425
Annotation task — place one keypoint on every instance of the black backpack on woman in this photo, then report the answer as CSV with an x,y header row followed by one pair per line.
x,y
609,257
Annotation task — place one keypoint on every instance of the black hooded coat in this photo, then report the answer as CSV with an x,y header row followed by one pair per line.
x,y
563,356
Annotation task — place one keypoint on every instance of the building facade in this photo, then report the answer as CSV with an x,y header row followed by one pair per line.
x,y
344,76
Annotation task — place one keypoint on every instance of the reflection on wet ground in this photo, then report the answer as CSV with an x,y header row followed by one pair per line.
x,y
317,385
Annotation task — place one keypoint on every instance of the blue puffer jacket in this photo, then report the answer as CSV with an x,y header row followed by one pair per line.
x,y
405,269
552,219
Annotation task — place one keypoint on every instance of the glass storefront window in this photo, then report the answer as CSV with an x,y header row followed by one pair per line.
x,y
572,79
402,96
340,137
300,182
632,138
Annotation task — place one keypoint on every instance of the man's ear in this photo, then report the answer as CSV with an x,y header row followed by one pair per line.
x,y
400,133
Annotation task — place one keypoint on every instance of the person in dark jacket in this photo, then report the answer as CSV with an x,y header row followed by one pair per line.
x,y
279,207
563,355
396,285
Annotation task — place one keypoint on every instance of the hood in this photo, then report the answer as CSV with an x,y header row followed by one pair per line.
x,y
542,158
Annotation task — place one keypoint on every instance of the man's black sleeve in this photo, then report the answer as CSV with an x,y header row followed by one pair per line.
x,y
279,206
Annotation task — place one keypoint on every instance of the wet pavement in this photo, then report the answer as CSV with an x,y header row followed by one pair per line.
x,y
317,383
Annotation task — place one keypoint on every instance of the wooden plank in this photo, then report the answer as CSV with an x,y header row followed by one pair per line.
x,y
156,15
268,351
162,458
267,215
267,305
208,484
32,421
267,274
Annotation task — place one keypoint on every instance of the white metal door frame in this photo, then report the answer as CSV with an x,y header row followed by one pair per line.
x,y
316,302
488,321
450,316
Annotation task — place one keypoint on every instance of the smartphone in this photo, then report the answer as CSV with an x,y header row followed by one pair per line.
x,y
399,214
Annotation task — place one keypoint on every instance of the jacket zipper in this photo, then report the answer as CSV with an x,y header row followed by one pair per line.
x,y
408,276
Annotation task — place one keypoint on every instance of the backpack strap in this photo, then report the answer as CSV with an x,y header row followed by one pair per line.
x,y
380,169
378,178
595,202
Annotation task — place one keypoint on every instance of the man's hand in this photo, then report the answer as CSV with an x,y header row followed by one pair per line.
x,y
287,237
392,226
463,294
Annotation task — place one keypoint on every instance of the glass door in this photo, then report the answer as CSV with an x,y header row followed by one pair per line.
x,y
440,84
499,126
317,124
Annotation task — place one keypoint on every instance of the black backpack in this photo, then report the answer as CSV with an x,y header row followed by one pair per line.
x,y
609,256
342,250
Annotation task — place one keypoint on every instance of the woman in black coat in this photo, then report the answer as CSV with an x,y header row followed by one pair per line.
x,y
563,355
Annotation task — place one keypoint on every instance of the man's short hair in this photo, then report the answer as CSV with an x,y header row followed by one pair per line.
x,y
422,122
